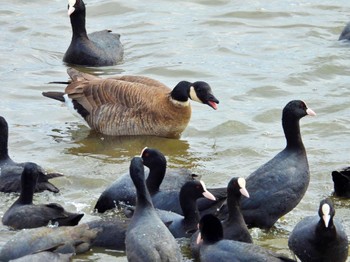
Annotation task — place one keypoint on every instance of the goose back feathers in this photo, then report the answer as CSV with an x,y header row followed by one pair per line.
x,y
133,105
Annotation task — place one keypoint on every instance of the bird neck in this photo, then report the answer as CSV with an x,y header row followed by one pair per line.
x,y
78,24
189,209
155,178
291,130
234,210
181,92
143,196
4,145
26,196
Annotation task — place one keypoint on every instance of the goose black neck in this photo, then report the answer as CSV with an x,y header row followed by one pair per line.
x,y
291,130
155,178
4,143
77,19
181,91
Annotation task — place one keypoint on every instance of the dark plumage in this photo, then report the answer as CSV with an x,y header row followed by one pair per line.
x,y
320,238
234,227
123,189
341,180
101,48
111,232
186,225
345,34
45,256
133,105
24,214
10,171
278,186
147,238
215,248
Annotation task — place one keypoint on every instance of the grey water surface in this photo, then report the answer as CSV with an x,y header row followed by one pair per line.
x,y
257,56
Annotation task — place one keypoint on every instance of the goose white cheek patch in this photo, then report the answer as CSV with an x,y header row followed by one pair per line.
x,y
70,106
193,95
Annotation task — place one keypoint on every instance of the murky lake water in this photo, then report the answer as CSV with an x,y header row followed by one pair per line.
x,y
257,55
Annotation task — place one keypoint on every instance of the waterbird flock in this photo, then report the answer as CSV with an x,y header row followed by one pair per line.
x,y
157,206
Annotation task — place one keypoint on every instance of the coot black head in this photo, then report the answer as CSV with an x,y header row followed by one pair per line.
x,y
210,229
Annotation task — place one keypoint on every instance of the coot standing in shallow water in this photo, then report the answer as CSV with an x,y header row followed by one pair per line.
x,y
24,214
10,171
101,48
278,186
215,248
147,238
320,238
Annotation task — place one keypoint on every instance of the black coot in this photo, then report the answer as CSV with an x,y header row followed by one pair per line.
x,y
147,238
278,186
215,248
10,171
234,225
184,226
341,181
123,190
101,48
24,214
320,238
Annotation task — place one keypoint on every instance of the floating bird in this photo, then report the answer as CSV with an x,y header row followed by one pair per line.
x,y
215,248
101,48
24,214
147,238
133,105
341,180
277,187
123,190
184,226
62,240
10,171
320,238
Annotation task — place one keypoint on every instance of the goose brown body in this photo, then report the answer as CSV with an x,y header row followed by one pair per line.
x,y
131,105
118,107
